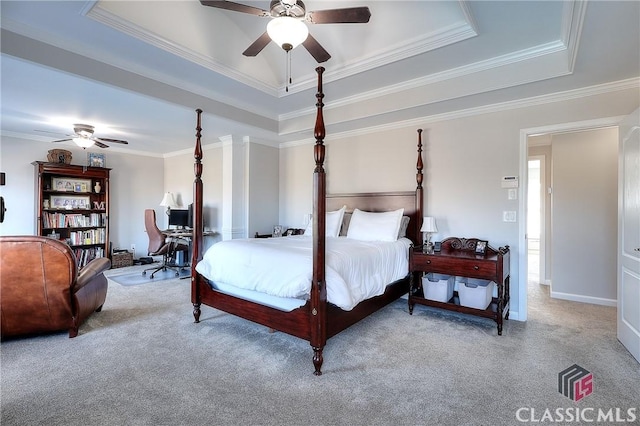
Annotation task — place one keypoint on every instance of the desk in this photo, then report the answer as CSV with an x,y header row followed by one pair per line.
x,y
185,234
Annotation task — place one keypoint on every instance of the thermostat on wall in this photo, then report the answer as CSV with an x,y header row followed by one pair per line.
x,y
510,181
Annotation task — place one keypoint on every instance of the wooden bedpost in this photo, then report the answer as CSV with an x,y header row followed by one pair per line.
x,y
198,228
318,285
419,190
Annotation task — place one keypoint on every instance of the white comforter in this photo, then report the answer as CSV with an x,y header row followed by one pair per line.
x,y
355,270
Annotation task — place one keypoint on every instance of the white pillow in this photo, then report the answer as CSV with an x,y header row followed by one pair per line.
x,y
369,226
333,223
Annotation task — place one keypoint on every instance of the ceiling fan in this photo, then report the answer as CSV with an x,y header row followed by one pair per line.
x,y
83,137
287,27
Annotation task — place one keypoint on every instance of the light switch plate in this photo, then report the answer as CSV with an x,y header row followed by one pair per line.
x,y
508,216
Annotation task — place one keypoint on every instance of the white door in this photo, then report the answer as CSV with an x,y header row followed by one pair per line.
x,y
629,235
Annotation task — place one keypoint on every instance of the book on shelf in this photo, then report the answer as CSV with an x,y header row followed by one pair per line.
x,y
73,220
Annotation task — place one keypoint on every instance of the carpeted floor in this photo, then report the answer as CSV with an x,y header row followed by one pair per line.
x,y
142,361
134,276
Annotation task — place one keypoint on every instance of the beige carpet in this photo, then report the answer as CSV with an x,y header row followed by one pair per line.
x,y
142,361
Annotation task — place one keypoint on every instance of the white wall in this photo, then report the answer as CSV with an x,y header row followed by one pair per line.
x,y
179,177
585,214
136,184
465,158
263,170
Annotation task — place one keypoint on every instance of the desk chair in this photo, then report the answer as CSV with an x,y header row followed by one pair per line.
x,y
159,246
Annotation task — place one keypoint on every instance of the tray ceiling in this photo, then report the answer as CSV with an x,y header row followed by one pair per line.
x,y
141,68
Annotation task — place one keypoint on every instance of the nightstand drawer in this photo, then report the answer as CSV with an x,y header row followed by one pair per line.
x,y
463,267
425,262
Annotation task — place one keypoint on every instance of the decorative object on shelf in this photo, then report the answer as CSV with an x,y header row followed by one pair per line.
x,y
70,184
69,202
96,160
481,247
98,205
97,187
168,201
59,156
45,204
428,227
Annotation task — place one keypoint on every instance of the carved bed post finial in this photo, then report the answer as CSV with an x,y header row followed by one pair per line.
x,y
419,190
196,246
420,164
319,130
318,306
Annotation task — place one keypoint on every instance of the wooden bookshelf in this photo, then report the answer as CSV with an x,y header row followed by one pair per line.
x,y
72,205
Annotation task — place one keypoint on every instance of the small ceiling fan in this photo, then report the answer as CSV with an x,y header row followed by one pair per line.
x,y
287,27
83,137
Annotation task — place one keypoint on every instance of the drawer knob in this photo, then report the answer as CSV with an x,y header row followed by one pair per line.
x,y
476,267
428,262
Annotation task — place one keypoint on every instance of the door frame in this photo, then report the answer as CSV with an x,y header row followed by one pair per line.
x,y
522,204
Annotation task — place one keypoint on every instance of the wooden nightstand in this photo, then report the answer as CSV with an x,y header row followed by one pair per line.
x,y
457,257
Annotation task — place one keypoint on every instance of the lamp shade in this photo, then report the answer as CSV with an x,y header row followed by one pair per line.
x,y
83,142
168,201
287,32
429,225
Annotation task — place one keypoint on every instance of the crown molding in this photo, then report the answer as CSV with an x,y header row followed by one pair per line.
x,y
127,27
522,57
632,83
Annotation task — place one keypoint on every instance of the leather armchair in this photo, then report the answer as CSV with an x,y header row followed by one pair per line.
x,y
41,289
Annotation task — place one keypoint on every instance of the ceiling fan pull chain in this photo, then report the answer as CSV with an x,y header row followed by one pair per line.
x,y
288,70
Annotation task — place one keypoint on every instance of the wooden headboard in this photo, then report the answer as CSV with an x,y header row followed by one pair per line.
x,y
382,202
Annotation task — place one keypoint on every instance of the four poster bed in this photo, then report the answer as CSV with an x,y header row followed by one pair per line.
x,y
315,318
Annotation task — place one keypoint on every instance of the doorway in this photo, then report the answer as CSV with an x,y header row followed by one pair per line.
x,y
533,142
535,220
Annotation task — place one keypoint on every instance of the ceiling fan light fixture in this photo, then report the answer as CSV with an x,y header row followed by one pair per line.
x,y
287,32
83,142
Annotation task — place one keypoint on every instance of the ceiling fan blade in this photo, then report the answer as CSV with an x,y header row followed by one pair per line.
x,y
100,144
61,140
110,140
257,46
349,15
316,50
236,7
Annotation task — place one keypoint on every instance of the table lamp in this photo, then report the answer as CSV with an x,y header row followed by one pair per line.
x,y
168,201
428,227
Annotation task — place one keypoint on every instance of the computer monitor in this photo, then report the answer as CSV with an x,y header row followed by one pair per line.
x,y
190,218
179,218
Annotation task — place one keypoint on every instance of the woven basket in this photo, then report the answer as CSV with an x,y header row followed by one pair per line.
x,y
121,259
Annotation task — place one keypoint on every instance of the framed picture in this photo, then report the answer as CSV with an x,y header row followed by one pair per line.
x,y
69,202
481,247
70,184
96,160
277,231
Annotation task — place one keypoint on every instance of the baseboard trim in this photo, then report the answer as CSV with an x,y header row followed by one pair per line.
x,y
584,299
